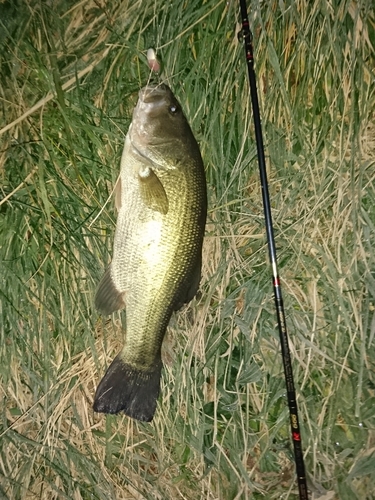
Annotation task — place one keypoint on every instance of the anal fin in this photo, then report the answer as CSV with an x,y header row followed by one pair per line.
x,y
107,298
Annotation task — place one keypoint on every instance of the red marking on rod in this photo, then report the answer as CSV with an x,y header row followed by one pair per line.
x,y
296,436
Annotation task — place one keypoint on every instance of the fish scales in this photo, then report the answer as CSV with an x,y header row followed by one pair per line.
x,y
157,249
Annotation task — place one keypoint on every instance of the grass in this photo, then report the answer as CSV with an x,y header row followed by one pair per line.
x,y
70,72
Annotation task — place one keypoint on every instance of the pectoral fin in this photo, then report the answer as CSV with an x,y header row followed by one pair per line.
x,y
152,191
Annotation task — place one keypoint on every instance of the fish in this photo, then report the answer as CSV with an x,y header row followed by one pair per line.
x,y
157,251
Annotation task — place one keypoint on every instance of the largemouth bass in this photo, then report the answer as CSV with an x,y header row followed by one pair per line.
x,y
157,251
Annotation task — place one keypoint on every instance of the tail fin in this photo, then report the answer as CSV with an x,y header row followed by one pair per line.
x,y
134,392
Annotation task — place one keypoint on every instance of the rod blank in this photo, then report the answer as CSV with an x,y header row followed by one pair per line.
x,y
288,370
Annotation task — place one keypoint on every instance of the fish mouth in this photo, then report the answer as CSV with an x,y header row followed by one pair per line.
x,y
153,93
147,124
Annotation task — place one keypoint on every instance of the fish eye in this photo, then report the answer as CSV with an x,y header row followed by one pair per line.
x,y
173,109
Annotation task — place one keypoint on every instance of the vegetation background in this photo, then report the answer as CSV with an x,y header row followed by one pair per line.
x,y
70,73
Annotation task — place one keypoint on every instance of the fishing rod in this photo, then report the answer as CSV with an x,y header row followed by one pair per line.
x,y
288,370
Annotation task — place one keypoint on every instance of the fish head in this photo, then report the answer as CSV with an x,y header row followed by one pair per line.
x,y
159,130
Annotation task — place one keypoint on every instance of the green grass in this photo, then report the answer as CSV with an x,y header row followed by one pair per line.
x,y
69,77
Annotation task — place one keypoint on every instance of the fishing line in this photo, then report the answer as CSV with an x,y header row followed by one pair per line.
x,y
288,371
